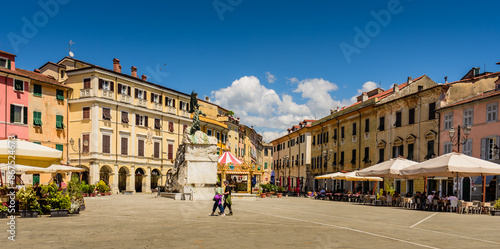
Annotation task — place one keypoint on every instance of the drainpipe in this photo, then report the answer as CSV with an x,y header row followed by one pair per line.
x,y
6,82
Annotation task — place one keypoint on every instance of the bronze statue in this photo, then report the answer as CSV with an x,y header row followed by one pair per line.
x,y
194,108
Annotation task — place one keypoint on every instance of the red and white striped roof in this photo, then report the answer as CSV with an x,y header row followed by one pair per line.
x,y
227,157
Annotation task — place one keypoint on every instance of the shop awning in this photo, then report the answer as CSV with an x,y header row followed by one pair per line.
x,y
228,158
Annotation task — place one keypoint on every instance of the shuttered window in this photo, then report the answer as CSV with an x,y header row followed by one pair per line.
x,y
18,114
157,124
59,147
171,126
59,94
448,120
106,144
37,118
354,130
37,90
432,111
60,122
19,85
411,116
86,84
170,151
381,124
106,113
367,125
468,117
492,112
124,146
156,153
447,147
125,117
86,112
140,147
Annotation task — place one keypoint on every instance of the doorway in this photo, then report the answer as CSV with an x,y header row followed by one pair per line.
x,y
466,189
122,179
139,173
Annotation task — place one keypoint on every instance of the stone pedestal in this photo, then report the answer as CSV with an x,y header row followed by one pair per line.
x,y
195,170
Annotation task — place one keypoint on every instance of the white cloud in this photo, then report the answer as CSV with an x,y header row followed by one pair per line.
x,y
271,113
270,78
317,91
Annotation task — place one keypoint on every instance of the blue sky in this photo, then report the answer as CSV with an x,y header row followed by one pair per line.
x,y
224,48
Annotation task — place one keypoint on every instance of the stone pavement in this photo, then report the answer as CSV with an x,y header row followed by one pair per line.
x,y
143,221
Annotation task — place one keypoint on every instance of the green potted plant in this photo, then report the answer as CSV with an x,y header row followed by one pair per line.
x,y
496,208
4,210
28,203
59,203
90,190
102,187
280,190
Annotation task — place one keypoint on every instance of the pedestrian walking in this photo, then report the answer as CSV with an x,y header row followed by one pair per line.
x,y
218,200
227,198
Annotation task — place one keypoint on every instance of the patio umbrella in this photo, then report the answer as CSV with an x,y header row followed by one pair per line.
x,y
29,154
329,176
56,168
352,176
19,169
452,165
390,168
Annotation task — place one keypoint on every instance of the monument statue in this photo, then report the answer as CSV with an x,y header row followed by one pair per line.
x,y
194,108
195,166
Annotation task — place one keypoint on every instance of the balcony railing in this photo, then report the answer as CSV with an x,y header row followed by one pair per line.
x,y
185,113
106,94
125,98
171,109
157,106
85,93
141,102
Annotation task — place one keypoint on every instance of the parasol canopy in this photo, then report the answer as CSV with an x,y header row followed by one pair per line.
x,y
453,164
228,158
390,168
329,176
19,169
28,153
352,176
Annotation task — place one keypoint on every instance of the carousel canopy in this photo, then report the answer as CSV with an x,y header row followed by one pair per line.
x,y
228,158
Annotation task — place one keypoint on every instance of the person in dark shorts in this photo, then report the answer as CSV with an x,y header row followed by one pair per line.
x,y
227,198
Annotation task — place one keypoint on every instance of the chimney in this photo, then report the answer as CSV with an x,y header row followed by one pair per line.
x,y
410,80
134,71
144,77
116,66
207,98
395,88
364,97
446,79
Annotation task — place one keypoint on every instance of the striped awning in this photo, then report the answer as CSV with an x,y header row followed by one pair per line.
x,y
228,158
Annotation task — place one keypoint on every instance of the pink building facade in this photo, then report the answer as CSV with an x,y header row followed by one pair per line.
x,y
14,98
480,114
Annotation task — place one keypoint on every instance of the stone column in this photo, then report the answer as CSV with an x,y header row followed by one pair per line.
x,y
132,180
114,188
148,181
94,173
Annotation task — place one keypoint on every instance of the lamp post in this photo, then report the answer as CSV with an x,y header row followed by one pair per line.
x,y
327,156
459,139
72,143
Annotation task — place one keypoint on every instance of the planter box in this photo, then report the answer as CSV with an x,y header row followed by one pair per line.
x,y
58,213
262,195
279,195
3,215
495,212
268,194
28,214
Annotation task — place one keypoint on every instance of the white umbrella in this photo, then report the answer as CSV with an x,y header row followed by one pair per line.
x,y
19,169
329,176
352,176
27,153
452,165
390,168
56,168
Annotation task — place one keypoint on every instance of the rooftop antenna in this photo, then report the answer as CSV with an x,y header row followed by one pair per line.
x,y
69,49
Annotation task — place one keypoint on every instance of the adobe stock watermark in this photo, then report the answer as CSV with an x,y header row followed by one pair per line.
x,y
372,29
158,73
223,6
11,176
30,28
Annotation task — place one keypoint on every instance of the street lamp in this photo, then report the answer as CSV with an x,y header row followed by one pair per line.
x,y
326,156
72,143
459,139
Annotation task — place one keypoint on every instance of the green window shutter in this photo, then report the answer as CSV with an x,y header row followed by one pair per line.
x,y
8,64
60,94
12,113
37,118
25,120
59,147
265,165
59,122
37,143
37,90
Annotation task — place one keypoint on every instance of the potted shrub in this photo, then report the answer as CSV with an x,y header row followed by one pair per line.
x,y
496,208
28,203
4,210
102,187
60,204
74,191
280,190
